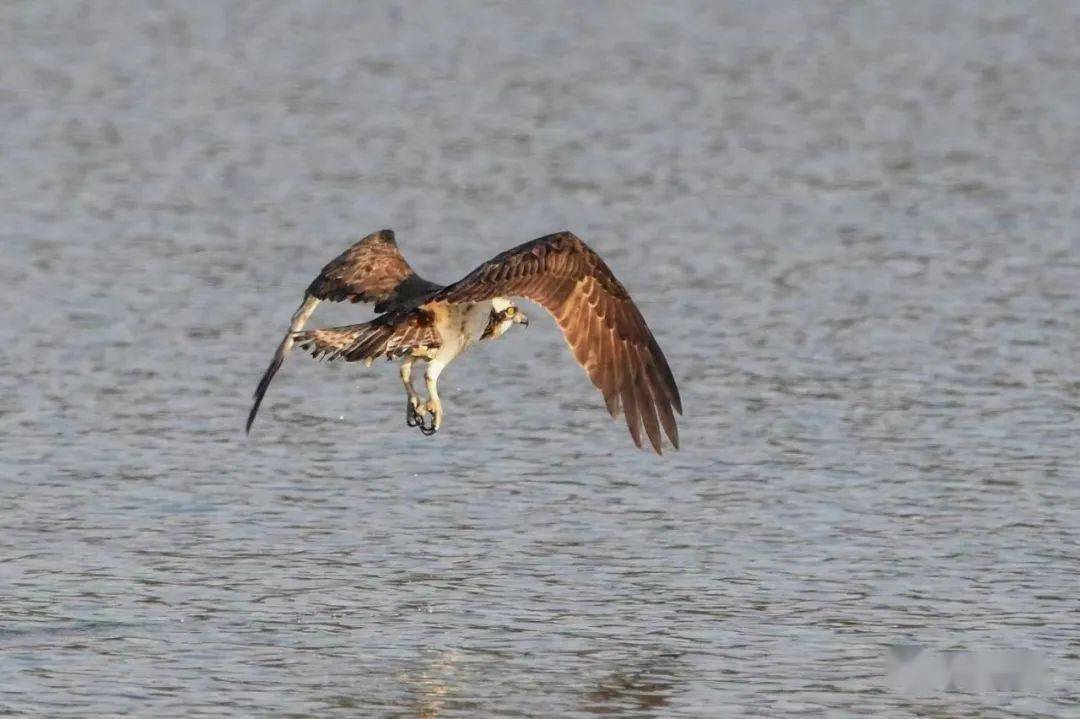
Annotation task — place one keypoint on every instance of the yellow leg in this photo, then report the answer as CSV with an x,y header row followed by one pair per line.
x,y
433,405
406,379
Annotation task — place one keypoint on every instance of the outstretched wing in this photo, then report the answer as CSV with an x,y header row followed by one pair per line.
x,y
387,336
372,270
602,325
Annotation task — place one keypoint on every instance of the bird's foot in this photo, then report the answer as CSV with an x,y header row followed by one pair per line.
x,y
412,417
434,408
428,429
416,416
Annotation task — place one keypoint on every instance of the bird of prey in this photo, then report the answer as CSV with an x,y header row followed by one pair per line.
x,y
421,320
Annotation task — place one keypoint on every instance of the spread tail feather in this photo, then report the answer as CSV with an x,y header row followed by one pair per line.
x,y
362,342
299,318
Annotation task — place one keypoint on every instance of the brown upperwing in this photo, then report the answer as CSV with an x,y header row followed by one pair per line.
x,y
372,270
604,328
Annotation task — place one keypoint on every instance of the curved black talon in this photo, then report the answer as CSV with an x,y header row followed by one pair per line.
x,y
416,419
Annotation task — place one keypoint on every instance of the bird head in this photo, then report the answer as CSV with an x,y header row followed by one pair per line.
x,y
504,314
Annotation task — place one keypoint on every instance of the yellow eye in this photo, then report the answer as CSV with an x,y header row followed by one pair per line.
x,y
510,311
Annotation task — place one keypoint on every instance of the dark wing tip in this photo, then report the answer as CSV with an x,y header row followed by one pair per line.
x,y
252,413
676,400
264,383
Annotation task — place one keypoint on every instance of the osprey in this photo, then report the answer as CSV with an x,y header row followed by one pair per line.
x,y
421,320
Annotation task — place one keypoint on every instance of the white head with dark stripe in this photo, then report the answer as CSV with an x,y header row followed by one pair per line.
x,y
504,314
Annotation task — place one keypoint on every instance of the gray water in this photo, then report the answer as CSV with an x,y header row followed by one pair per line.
x,y
853,228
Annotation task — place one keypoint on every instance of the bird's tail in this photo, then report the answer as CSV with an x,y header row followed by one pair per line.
x,y
355,343
299,318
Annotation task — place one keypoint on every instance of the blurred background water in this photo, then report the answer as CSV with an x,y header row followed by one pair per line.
x,y
852,226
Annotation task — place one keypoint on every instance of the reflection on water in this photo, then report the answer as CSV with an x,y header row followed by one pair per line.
x,y
433,683
852,228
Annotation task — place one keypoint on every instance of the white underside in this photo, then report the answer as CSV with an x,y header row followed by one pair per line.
x,y
458,327
462,326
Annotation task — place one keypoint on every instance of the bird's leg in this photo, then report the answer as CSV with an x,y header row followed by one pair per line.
x,y
433,405
411,417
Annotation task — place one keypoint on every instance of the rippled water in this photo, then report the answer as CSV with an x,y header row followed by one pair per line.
x,y
854,229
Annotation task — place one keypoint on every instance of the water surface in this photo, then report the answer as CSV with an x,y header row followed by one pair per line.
x,y
852,227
